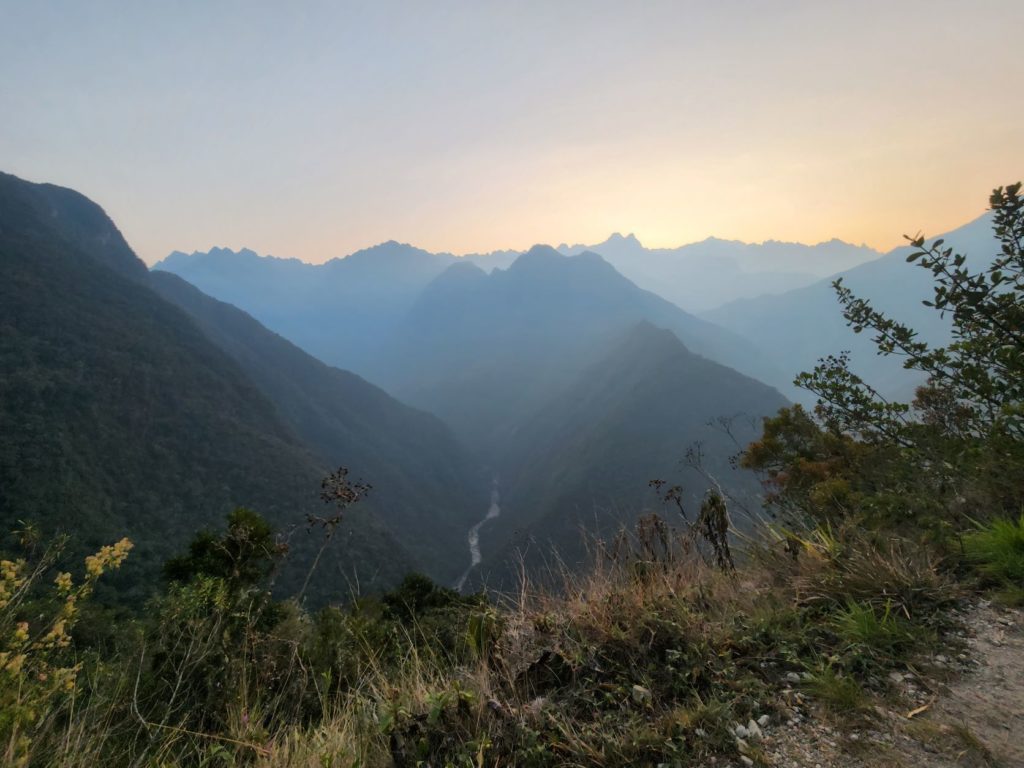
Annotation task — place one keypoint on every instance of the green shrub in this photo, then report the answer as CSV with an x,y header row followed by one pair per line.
x,y
997,551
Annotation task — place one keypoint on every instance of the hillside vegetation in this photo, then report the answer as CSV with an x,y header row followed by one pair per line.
x,y
676,647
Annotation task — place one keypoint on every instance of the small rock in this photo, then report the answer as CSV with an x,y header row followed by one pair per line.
x,y
741,732
746,760
763,720
754,730
793,677
640,694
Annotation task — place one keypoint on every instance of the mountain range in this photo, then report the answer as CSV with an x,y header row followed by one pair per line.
x,y
581,462
701,276
149,403
568,380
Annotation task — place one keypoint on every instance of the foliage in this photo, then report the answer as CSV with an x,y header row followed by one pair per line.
x,y
243,557
981,373
38,675
997,549
866,629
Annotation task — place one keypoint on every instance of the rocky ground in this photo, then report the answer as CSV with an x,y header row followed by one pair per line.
x,y
964,709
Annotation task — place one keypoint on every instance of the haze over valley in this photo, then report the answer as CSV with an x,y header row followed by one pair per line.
x,y
593,384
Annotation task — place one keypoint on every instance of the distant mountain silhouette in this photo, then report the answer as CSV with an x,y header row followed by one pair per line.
x,y
798,327
703,275
341,311
338,311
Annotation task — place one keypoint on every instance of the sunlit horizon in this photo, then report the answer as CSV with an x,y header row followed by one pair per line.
x,y
470,128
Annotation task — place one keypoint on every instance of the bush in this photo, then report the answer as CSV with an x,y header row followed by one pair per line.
x,y
997,551
38,674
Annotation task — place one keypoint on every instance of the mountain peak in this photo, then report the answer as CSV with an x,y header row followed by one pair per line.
x,y
537,255
546,257
226,257
543,250
390,250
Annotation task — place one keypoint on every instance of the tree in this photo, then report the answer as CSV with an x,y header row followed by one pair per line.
x,y
243,557
980,374
958,448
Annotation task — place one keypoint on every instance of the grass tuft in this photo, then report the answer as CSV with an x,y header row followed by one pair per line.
x,y
997,551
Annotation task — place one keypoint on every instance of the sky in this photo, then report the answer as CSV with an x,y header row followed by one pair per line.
x,y
311,130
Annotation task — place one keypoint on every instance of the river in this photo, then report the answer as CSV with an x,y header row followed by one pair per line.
x,y
474,535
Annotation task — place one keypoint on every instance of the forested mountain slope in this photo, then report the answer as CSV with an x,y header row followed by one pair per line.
x,y
121,417
427,489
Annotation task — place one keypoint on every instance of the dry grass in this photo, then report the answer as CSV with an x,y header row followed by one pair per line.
x,y
649,656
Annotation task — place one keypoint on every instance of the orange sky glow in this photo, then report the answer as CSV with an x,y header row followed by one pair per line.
x,y
469,127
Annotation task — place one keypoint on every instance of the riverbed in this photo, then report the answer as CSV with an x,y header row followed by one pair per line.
x,y
473,538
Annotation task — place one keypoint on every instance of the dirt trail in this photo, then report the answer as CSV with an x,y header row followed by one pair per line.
x,y
990,701
968,710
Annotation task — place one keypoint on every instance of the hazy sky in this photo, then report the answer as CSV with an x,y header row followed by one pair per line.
x,y
314,129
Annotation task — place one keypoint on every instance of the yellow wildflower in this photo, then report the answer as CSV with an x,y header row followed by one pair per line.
x,y
94,565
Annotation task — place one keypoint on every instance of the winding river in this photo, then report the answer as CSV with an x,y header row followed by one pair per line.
x,y
474,535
